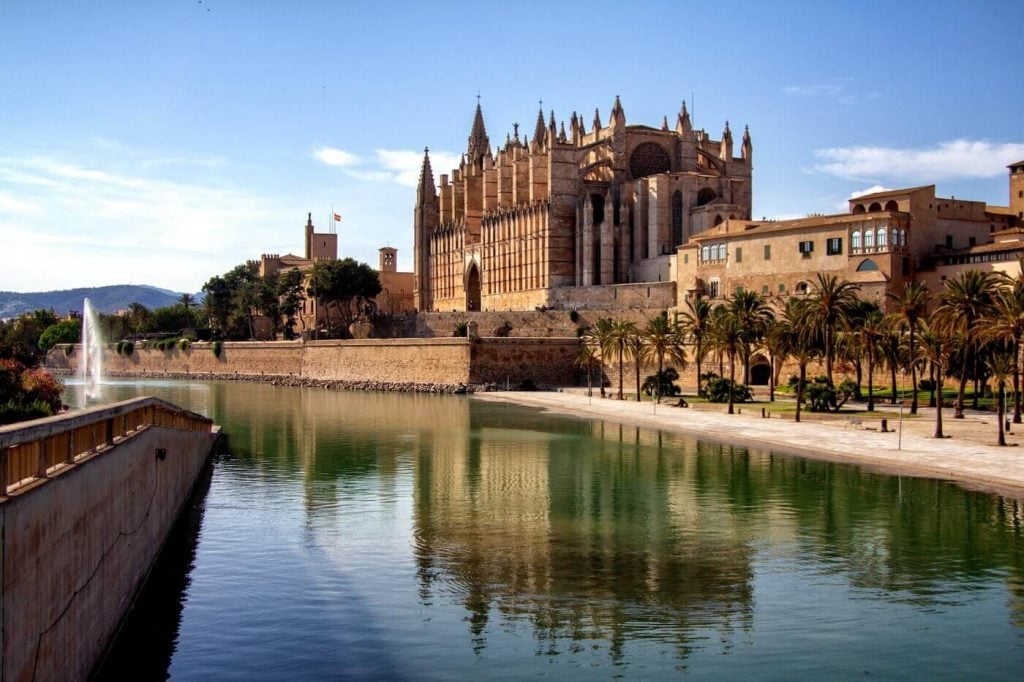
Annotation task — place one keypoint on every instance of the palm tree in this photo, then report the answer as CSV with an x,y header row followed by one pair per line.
x,y
620,335
1005,323
910,307
935,348
804,340
695,322
870,332
662,339
1000,364
890,345
635,352
753,315
967,298
776,343
731,339
187,301
830,303
587,358
599,338
138,315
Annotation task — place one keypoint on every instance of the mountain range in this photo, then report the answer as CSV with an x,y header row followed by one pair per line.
x,y
106,299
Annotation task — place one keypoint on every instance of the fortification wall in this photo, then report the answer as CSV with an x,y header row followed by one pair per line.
x,y
78,545
536,324
406,364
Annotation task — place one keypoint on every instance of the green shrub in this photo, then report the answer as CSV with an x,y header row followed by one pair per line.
x,y
128,348
663,384
217,348
574,316
717,391
461,329
184,344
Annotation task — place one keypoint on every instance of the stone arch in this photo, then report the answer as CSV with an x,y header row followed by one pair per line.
x,y
874,207
649,158
760,371
858,209
473,288
706,196
891,205
597,203
718,219
867,265
801,288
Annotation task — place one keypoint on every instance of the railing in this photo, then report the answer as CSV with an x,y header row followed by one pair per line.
x,y
33,450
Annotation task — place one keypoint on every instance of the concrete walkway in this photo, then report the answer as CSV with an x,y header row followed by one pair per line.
x,y
969,456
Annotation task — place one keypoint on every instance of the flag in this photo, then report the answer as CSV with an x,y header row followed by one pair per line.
x,y
337,217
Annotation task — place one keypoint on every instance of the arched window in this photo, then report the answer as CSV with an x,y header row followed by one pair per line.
x,y
704,254
903,237
869,238
867,265
855,240
677,218
801,287
874,207
706,195
858,208
721,252
713,287
895,241
881,237
718,220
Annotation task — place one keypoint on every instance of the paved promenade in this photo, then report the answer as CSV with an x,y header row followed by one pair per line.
x,y
969,456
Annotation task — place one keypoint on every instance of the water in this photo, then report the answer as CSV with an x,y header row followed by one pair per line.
x,y
360,536
91,370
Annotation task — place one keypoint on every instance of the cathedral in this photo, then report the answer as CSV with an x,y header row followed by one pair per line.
x,y
577,218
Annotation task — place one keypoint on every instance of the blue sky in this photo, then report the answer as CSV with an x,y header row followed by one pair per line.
x,y
164,142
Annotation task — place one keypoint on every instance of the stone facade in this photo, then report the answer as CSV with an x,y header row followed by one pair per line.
x,y
885,240
541,219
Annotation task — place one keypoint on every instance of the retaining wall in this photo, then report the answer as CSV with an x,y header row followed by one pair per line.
x,y
78,543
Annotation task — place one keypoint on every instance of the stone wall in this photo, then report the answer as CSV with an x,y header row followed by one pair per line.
x,y
411,364
78,545
544,324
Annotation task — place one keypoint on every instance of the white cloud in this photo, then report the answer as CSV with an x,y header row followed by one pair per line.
x,y
105,226
948,160
404,165
336,157
839,90
869,190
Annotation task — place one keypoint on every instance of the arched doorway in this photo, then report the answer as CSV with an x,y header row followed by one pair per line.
x,y
760,373
473,289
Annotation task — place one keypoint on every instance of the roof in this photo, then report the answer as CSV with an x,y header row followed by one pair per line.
x,y
891,193
999,210
1009,245
1016,165
744,227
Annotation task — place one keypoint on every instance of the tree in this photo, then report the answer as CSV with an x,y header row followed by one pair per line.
x,y
830,304
731,340
600,340
909,308
586,358
187,301
289,291
753,316
67,331
1005,323
1000,364
662,339
871,330
19,338
891,348
137,317
346,284
622,331
804,340
695,322
967,298
776,343
635,352
935,347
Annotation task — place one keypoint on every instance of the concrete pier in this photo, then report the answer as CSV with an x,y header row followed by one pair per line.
x,y
86,501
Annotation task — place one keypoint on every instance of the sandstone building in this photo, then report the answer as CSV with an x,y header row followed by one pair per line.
x,y
573,218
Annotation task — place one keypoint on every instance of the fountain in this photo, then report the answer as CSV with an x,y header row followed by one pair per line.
x,y
91,364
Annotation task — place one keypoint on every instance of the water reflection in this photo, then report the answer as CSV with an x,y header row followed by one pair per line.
x,y
468,535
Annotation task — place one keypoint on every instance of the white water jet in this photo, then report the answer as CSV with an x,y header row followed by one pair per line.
x,y
91,364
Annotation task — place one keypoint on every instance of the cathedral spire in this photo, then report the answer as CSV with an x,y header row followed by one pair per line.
x,y
479,144
597,120
617,119
664,122
725,151
683,124
426,189
746,148
539,129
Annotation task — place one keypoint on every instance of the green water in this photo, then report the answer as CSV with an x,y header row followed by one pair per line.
x,y
384,536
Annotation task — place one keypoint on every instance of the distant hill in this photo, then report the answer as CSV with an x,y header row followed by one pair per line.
x,y
107,299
